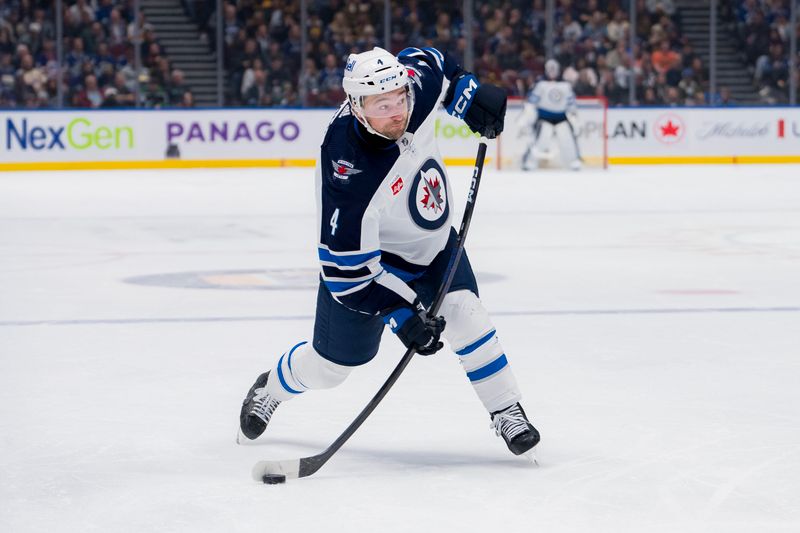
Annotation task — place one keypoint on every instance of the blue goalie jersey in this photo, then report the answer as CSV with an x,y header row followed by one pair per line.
x,y
383,207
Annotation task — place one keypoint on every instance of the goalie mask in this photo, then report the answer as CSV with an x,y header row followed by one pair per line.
x,y
372,82
552,69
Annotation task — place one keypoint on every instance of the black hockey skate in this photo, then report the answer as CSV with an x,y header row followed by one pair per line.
x,y
512,424
257,409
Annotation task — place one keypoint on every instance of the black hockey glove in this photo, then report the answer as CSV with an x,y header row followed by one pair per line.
x,y
487,113
482,107
413,327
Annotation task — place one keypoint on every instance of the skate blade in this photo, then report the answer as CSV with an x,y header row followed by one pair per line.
x,y
531,456
241,439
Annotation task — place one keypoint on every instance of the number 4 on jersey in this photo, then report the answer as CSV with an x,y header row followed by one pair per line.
x,y
334,221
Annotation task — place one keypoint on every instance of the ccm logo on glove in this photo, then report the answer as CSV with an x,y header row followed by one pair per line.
x,y
466,95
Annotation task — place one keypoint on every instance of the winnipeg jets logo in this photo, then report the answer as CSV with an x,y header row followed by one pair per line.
x,y
432,190
427,199
342,170
554,96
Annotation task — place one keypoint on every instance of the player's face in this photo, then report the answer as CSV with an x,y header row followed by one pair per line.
x,y
387,113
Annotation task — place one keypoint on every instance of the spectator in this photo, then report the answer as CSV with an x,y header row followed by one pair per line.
x,y
618,27
651,98
256,90
30,79
665,58
6,44
177,87
80,10
123,92
310,82
187,100
90,95
586,86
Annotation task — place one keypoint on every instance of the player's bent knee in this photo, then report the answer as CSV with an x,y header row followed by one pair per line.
x,y
467,319
316,372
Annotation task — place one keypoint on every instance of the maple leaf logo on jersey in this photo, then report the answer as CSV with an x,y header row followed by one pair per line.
x,y
433,191
343,169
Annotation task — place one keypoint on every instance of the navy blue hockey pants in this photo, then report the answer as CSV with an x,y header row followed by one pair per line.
x,y
350,338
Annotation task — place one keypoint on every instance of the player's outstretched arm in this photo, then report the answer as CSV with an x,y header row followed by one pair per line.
x,y
482,107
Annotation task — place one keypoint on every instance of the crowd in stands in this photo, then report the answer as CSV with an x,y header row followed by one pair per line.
x,y
265,65
591,43
98,68
763,31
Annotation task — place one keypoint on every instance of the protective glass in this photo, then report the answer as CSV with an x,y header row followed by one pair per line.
x,y
386,105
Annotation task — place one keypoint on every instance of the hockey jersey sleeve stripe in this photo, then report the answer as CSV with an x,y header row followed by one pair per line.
x,y
396,285
433,59
488,370
350,279
345,289
341,287
410,52
402,274
468,349
340,274
437,56
350,260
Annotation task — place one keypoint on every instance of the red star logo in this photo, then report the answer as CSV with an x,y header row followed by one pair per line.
x,y
341,169
669,129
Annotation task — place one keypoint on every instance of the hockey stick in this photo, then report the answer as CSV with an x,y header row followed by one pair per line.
x,y
306,466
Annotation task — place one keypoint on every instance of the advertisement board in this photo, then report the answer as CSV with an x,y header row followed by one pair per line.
x,y
217,137
711,135
85,139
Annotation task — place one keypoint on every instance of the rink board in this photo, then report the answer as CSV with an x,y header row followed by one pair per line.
x,y
140,139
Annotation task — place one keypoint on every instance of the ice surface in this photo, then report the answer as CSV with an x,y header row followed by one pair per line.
x,y
651,315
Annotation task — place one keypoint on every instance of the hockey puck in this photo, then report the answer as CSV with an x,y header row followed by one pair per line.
x,y
273,479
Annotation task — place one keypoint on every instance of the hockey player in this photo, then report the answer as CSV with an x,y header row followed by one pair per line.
x,y
385,240
549,112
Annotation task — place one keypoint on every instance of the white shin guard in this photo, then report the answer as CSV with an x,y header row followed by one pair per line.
x,y
541,145
567,144
472,336
301,369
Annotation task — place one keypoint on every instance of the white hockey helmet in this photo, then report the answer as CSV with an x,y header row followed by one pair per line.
x,y
552,69
372,73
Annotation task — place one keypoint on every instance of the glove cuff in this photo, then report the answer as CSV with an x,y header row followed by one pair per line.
x,y
463,96
395,318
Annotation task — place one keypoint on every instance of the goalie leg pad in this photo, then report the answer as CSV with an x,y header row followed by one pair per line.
x,y
301,369
567,143
543,140
473,337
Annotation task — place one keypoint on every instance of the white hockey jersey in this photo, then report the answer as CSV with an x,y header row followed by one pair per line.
x,y
552,99
383,206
